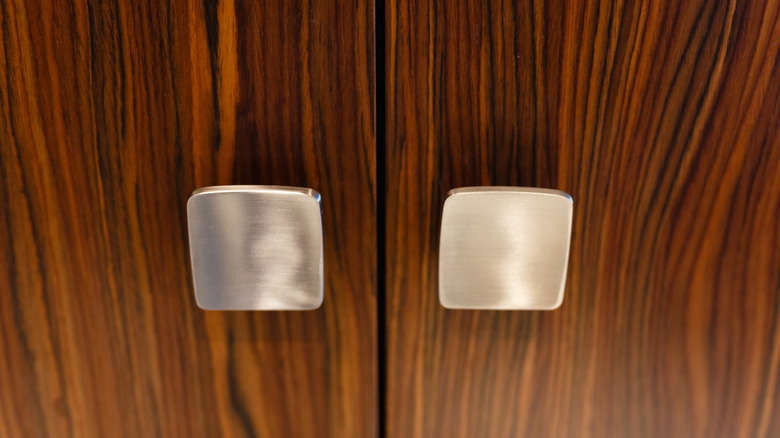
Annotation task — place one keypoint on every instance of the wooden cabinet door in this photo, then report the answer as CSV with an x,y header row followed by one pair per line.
x,y
111,113
662,120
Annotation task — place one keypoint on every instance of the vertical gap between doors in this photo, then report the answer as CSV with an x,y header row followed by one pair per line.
x,y
381,191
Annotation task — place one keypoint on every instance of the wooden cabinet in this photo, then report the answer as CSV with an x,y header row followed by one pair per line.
x,y
662,120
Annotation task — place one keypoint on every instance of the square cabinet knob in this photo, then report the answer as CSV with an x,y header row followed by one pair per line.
x,y
256,248
504,248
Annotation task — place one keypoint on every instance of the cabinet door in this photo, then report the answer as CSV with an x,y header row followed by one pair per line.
x,y
111,113
662,121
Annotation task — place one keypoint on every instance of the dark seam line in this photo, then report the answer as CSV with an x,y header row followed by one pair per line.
x,y
381,224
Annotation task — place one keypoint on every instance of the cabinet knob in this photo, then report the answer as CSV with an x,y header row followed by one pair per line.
x,y
504,248
256,247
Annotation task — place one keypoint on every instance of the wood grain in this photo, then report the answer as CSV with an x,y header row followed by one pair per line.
x,y
663,122
111,113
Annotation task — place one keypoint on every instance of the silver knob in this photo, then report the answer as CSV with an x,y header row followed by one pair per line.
x,y
504,248
256,248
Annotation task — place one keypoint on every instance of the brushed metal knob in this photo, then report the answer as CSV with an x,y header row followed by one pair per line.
x,y
256,248
504,248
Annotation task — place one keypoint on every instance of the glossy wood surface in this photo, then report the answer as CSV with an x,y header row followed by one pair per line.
x,y
662,120
111,113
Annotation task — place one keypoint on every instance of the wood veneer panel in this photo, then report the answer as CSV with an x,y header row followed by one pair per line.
x,y
111,113
663,122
